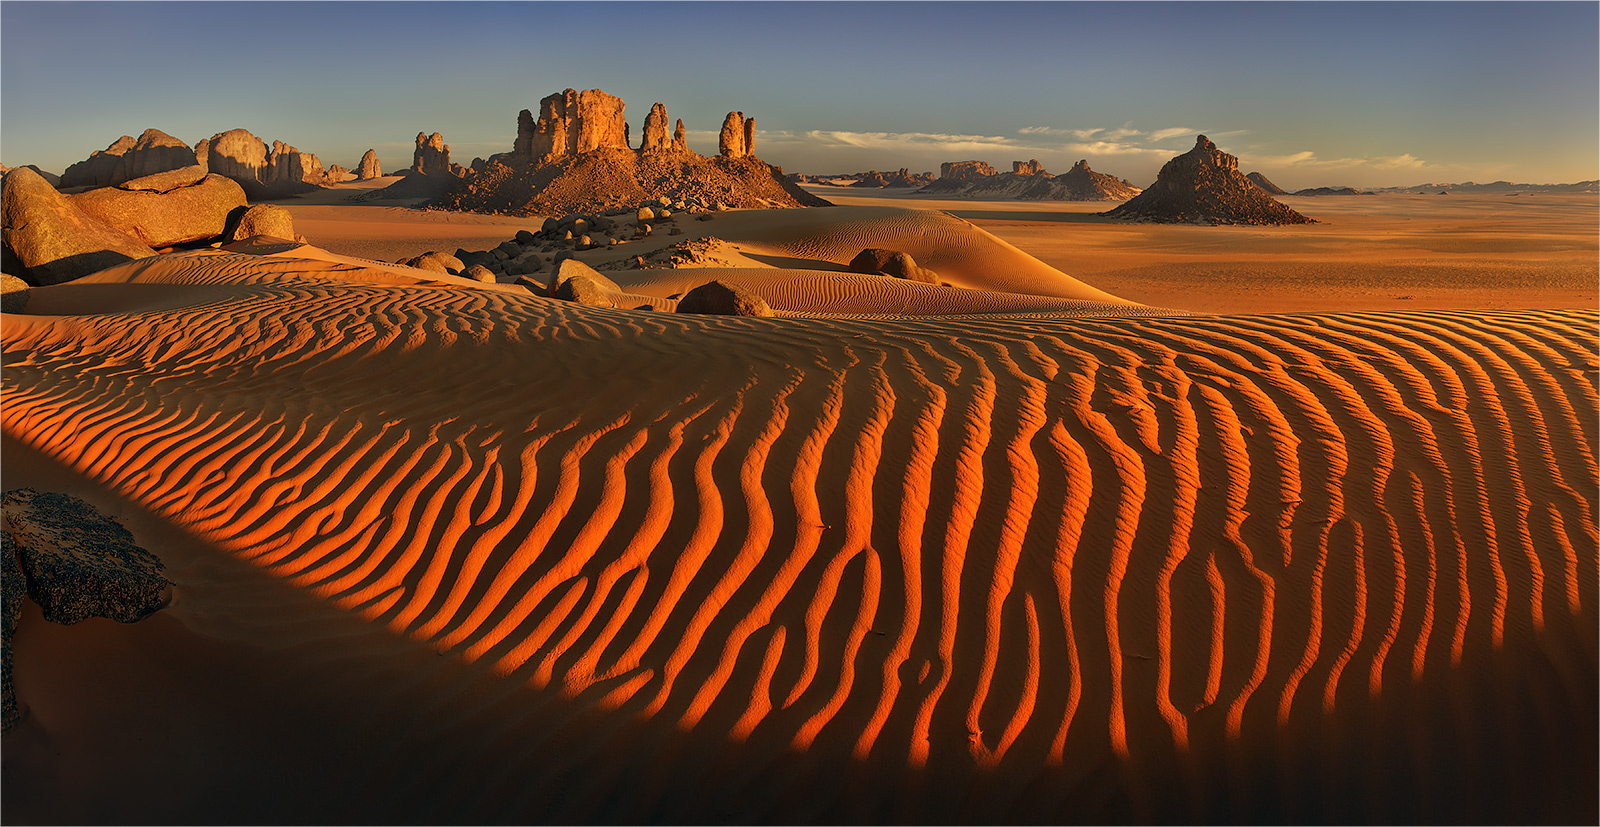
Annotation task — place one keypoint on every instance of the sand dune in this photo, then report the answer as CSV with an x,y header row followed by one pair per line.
x,y
1303,568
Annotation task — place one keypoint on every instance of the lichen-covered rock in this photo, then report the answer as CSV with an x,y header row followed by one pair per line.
x,y
875,261
1204,186
369,168
168,208
80,563
721,299
52,239
261,219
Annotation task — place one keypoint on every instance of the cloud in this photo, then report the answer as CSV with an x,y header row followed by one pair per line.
x,y
1172,132
1309,160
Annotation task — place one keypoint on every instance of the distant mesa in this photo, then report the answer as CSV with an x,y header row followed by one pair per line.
x,y
1266,184
1205,186
1028,181
576,157
900,178
1331,191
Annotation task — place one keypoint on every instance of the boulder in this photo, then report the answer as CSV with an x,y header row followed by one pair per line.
x,y
565,268
878,261
369,168
478,272
731,140
586,290
13,294
52,239
261,219
432,155
572,123
720,299
55,180
168,208
436,262
655,130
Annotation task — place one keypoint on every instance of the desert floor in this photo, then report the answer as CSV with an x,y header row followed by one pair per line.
x,y
1019,548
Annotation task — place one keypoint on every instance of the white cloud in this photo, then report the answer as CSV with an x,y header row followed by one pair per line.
x,y
1308,159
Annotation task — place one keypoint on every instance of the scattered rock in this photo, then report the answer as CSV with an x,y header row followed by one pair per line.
x,y
720,299
478,272
875,261
525,237
566,268
166,209
52,239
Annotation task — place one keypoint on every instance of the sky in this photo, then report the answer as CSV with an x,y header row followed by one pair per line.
x,y
1311,94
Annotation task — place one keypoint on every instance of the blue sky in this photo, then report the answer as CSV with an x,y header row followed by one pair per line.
x,y
1362,94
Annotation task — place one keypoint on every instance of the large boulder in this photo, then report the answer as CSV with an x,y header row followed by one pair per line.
x,y
236,154
369,167
567,268
51,239
168,208
586,290
261,219
100,168
878,261
720,299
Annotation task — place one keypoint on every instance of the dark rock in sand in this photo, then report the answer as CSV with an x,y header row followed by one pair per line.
x,y
719,299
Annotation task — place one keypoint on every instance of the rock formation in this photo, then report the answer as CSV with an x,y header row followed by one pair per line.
x,y
1329,191
166,209
900,178
572,123
750,136
900,265
126,158
680,140
432,155
964,170
731,141
288,168
1027,168
49,240
655,130
337,174
369,167
1261,181
1084,184
54,179
1205,186
236,154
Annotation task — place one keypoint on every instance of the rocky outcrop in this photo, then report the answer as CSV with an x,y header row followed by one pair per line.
x,y
680,140
337,174
1329,191
1084,184
721,299
126,158
168,208
964,170
572,123
50,240
52,178
655,130
261,219
877,261
369,168
1027,168
236,154
902,177
750,137
1029,181
1266,185
288,169
76,564
731,141
1205,186
432,155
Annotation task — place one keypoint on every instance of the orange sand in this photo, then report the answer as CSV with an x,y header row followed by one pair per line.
x,y
449,552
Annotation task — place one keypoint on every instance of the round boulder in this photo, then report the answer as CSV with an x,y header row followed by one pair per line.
x,y
262,219
877,261
720,299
